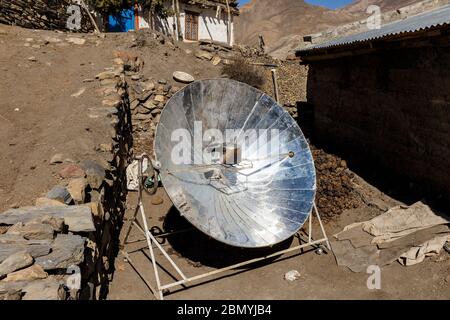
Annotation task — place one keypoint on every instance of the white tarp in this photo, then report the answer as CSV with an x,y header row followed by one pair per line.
x,y
132,174
407,234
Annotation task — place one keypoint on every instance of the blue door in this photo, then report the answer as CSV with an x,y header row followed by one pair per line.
x,y
122,22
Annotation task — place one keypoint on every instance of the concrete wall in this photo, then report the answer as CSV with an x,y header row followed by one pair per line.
x,y
391,109
209,26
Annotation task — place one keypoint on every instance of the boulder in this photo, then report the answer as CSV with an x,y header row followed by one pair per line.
x,y
149,105
67,250
11,294
76,40
12,238
148,86
95,173
183,77
216,60
57,158
111,102
142,110
32,231
32,247
118,61
78,93
142,117
55,222
105,75
159,98
48,202
16,261
51,288
59,193
76,188
31,273
204,55
72,171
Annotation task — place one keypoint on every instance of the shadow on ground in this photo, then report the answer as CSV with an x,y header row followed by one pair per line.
x,y
201,250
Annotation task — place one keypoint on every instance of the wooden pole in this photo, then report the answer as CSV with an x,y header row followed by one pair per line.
x,y
174,24
229,23
90,16
275,85
271,65
179,34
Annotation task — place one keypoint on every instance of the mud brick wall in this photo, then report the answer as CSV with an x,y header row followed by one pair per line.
x,y
391,108
40,14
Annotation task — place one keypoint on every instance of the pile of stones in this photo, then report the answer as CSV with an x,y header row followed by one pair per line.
x,y
214,51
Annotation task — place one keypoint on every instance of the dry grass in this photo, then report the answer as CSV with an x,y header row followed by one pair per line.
x,y
241,70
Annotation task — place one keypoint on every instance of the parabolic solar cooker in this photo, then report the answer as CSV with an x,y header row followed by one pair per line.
x,y
235,163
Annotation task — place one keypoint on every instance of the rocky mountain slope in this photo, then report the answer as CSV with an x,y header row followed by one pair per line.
x,y
284,22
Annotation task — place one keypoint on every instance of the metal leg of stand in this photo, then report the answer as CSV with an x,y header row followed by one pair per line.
x,y
151,240
321,227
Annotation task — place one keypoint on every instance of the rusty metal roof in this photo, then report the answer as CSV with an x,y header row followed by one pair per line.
x,y
424,21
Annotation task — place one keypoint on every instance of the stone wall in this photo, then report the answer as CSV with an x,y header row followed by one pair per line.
x,y
40,14
65,246
390,109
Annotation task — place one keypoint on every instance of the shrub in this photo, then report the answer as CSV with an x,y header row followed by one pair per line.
x,y
241,70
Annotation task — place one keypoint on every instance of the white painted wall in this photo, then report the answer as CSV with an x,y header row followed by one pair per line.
x,y
210,27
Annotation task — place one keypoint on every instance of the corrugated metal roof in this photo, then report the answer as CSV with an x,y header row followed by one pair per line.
x,y
424,21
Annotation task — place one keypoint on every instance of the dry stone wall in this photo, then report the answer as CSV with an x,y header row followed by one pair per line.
x,y
40,14
65,246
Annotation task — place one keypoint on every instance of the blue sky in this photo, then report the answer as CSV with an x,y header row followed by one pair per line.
x,y
332,4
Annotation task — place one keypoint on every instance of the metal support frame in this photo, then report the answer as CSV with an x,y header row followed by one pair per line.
x,y
152,244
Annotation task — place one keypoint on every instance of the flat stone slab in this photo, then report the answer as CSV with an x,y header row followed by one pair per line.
x,y
34,272
15,262
44,289
35,250
67,250
183,77
77,218
33,231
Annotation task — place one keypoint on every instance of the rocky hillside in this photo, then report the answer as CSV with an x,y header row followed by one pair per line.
x,y
358,7
284,22
276,19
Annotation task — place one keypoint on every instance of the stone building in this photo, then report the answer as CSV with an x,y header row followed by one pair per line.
x,y
383,96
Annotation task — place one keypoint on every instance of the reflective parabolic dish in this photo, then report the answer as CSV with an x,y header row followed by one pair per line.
x,y
259,198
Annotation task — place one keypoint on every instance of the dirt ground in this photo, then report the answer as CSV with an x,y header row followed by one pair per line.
x,y
39,118
321,278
